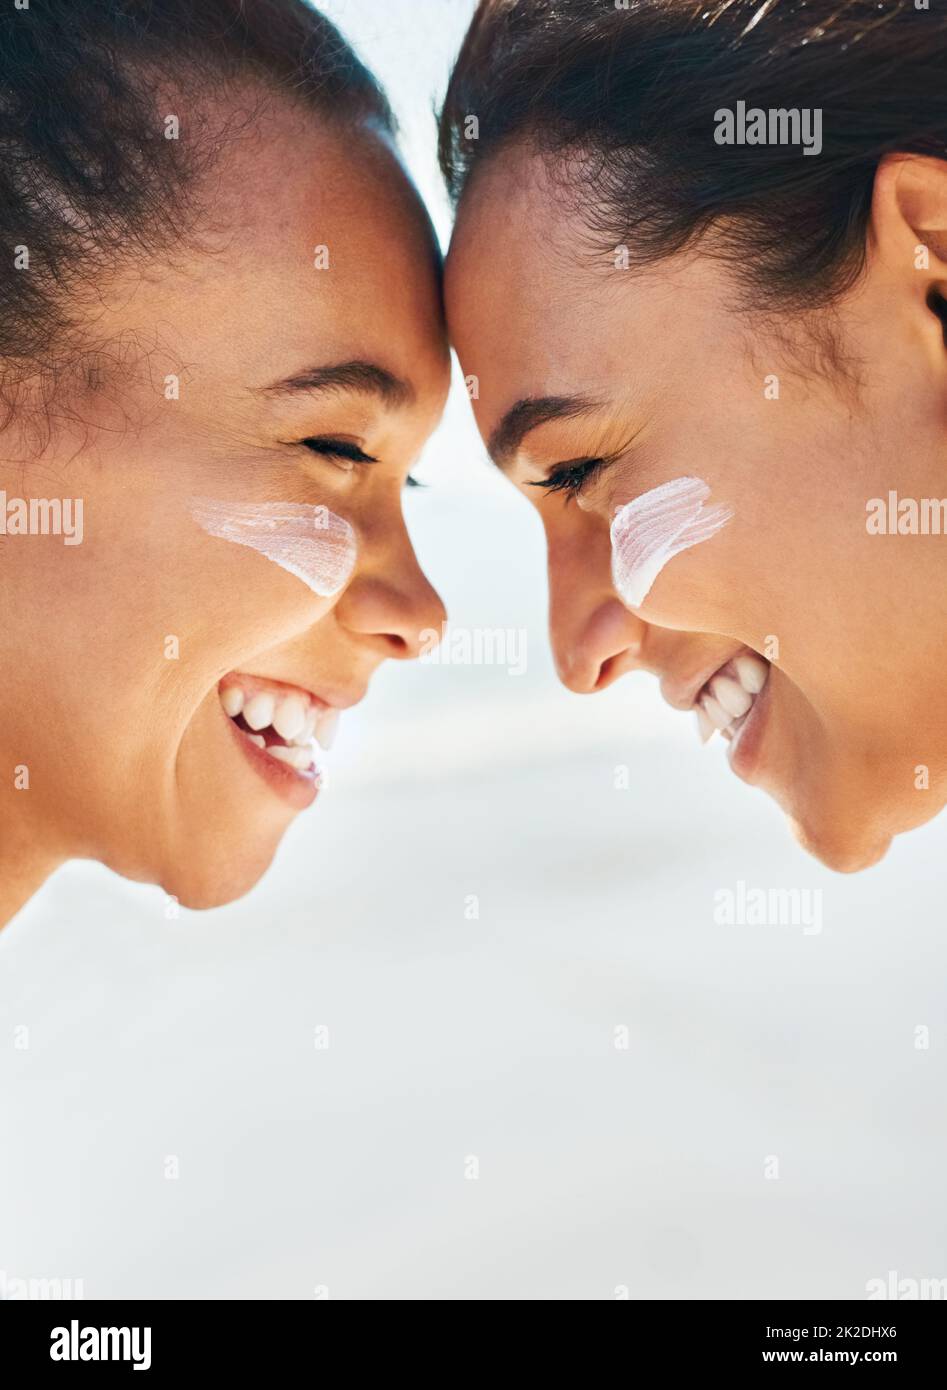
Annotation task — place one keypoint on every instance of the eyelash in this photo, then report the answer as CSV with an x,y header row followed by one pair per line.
x,y
571,478
338,449
345,449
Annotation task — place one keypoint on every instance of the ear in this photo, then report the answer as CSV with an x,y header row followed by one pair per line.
x,y
909,235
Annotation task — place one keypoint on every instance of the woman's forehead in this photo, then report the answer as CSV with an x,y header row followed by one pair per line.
x,y
318,257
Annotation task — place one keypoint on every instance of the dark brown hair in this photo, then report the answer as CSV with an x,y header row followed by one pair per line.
x,y
86,173
633,88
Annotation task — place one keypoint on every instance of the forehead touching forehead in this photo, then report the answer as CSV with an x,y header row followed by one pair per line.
x,y
513,235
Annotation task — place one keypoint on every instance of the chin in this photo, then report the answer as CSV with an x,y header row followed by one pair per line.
x,y
214,877
844,853
211,892
200,887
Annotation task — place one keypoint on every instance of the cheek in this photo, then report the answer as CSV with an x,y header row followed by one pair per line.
x,y
648,532
176,604
236,601
311,543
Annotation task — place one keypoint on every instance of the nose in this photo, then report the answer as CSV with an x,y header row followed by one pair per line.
x,y
390,603
595,638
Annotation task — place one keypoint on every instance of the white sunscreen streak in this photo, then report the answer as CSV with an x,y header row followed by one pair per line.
x,y
651,530
311,543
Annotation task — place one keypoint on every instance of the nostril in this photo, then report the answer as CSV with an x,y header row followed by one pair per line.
x,y
614,666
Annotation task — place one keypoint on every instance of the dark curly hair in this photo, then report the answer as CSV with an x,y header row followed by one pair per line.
x,y
86,171
625,94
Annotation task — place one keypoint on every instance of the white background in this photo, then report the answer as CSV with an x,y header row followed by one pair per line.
x,y
344,1167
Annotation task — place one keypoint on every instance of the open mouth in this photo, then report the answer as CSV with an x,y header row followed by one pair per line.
x,y
285,723
726,701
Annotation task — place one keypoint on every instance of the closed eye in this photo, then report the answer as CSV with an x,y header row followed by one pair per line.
x,y
338,449
347,451
571,477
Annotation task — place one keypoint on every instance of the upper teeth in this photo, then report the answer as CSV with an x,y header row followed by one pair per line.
x,y
258,711
728,696
289,717
751,672
731,695
292,715
232,700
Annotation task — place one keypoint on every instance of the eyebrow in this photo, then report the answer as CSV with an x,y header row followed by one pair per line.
x,y
527,415
366,378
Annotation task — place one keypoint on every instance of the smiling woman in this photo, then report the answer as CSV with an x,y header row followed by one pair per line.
x,y
704,347
221,338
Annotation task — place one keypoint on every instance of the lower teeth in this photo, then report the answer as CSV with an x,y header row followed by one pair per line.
x,y
298,756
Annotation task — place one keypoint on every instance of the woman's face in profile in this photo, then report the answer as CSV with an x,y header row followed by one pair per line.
x,y
290,364
613,383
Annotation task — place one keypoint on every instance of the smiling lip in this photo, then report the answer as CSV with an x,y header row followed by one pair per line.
x,y
277,727
682,692
298,788
731,699
743,754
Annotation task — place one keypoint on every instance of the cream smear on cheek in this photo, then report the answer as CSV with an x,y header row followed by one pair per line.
x,y
656,526
311,543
